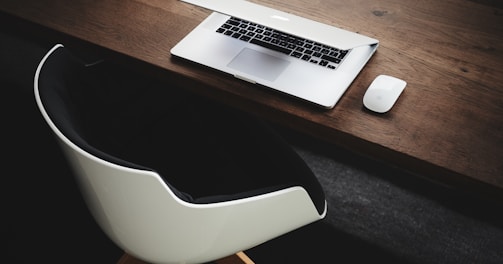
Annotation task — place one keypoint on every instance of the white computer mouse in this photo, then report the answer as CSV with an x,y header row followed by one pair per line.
x,y
382,93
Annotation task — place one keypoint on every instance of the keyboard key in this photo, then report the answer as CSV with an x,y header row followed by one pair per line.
x,y
271,46
332,59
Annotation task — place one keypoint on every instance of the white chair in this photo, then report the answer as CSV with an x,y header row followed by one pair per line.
x,y
149,217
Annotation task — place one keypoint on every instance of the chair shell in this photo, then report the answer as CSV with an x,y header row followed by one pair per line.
x,y
141,214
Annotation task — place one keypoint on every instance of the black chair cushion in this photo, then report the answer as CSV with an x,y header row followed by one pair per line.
x,y
204,151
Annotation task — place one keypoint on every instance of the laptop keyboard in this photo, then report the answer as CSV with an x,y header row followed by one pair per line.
x,y
303,49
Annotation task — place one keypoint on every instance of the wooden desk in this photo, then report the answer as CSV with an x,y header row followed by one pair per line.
x,y
447,125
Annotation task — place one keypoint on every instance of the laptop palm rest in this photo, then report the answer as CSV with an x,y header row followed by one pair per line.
x,y
258,64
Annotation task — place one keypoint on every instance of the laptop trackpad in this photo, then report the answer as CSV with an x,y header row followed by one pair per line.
x,y
258,64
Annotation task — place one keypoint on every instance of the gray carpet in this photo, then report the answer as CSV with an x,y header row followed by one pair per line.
x,y
383,213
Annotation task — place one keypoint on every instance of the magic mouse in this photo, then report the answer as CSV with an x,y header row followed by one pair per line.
x,y
382,93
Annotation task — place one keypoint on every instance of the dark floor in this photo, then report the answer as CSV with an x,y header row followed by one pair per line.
x,y
376,213
380,213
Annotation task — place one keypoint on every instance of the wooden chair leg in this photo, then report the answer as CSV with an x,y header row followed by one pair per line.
x,y
238,258
128,259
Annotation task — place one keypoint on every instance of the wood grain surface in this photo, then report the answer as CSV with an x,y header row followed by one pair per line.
x,y
447,125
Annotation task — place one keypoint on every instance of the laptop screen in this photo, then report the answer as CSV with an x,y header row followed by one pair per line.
x,y
288,23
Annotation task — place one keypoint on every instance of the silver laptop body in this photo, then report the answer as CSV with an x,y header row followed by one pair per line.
x,y
308,60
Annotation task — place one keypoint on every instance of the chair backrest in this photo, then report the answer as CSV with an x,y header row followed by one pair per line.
x,y
139,210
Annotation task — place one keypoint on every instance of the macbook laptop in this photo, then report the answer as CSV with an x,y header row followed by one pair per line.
x,y
290,54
